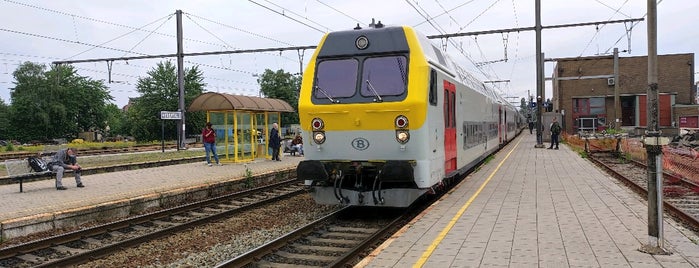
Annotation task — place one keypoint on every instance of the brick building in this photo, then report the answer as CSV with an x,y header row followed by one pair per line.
x,y
583,91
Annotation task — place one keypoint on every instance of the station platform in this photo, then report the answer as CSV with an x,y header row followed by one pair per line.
x,y
533,207
120,194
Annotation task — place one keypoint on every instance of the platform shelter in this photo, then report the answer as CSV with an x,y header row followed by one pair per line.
x,y
242,123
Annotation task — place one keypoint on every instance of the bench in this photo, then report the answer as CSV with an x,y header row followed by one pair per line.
x,y
19,170
288,147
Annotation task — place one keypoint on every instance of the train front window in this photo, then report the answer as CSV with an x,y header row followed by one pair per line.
x,y
336,78
384,76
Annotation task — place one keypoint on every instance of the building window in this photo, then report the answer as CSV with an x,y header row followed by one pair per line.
x,y
597,106
581,106
589,106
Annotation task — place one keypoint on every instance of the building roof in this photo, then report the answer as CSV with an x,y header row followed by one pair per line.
x,y
212,101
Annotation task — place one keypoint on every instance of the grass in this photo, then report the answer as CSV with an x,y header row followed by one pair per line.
x,y
77,145
117,159
248,177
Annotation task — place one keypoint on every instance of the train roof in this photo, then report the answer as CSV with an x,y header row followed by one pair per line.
x,y
437,57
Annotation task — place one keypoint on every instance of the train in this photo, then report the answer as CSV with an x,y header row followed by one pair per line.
x,y
387,118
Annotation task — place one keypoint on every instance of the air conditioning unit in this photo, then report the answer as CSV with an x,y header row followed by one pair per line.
x,y
610,81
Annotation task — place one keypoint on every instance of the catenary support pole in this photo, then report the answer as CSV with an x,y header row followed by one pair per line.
x,y
539,75
653,142
617,102
180,82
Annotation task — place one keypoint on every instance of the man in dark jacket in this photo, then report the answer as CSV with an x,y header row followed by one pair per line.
x,y
275,142
555,129
62,160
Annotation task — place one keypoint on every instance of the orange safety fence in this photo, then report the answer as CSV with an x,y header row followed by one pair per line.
x,y
682,161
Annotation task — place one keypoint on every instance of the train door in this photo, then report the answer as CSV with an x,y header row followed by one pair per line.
x,y
449,127
500,130
505,126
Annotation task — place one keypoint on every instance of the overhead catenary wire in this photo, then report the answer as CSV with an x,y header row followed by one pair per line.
x,y
483,56
149,34
616,11
284,15
209,32
445,12
125,34
101,21
64,40
437,27
17,63
285,10
342,13
241,30
633,24
478,16
190,15
514,12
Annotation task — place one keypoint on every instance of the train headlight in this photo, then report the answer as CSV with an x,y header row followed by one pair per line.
x,y
319,137
317,124
402,136
401,121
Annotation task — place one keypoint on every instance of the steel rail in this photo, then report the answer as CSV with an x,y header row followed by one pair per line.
x,y
109,227
689,219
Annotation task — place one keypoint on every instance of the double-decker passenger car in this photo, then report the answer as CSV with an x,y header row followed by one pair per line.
x,y
388,117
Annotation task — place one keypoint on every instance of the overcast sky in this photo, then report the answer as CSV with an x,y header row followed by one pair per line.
x,y
45,31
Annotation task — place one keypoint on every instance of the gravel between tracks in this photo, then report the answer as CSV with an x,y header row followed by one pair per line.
x,y
207,245
640,174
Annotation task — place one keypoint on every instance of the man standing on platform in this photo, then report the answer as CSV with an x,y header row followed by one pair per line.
x,y
209,139
555,129
275,142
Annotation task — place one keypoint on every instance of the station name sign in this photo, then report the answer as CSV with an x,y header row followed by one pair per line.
x,y
165,115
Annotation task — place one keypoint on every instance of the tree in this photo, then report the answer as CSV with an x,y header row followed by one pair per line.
x,y
284,86
116,120
4,120
55,104
159,92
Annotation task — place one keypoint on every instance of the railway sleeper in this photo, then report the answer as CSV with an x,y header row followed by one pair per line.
x,y
333,242
354,236
312,249
305,257
353,229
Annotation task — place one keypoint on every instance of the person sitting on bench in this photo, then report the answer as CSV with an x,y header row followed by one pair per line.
x,y
297,144
62,160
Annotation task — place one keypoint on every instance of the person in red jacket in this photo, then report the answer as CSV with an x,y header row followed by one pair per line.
x,y
209,138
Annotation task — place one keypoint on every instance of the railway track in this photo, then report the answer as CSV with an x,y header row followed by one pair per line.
x,y
680,196
333,241
85,245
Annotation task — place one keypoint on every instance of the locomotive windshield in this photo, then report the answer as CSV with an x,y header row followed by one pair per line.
x,y
337,77
383,78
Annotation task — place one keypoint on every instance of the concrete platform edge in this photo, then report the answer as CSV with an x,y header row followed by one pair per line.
x,y
108,211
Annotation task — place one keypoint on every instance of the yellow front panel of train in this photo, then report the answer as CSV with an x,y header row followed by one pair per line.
x,y
362,110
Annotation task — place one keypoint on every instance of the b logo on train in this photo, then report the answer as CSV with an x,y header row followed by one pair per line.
x,y
388,117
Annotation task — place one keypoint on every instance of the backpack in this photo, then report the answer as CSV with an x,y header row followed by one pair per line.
x,y
555,128
37,164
